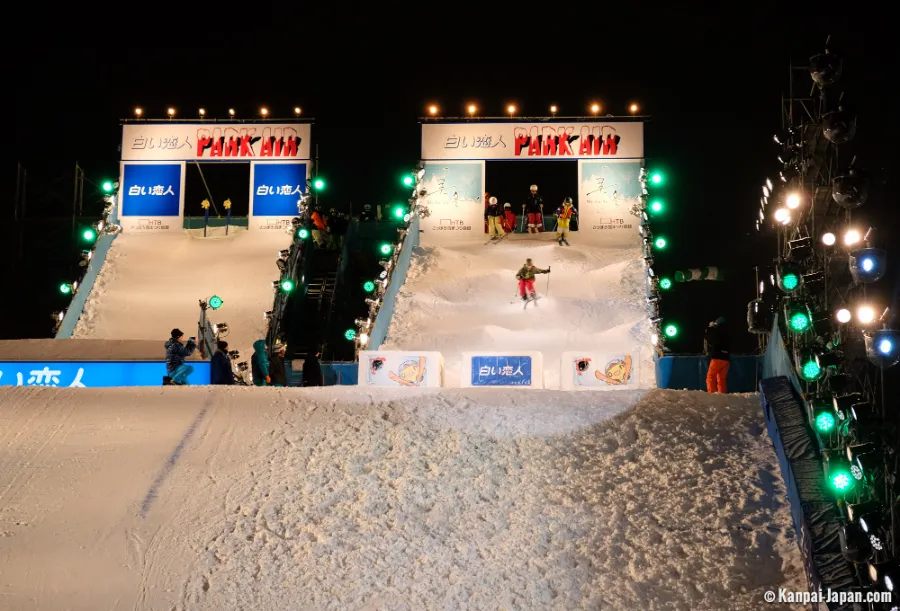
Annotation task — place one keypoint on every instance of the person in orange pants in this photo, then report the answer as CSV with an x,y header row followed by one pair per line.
x,y
715,345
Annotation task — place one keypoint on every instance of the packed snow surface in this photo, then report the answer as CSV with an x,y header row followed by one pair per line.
x,y
463,297
404,499
152,283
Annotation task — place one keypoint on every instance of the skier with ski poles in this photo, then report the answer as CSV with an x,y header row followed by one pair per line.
x,y
563,215
494,217
525,276
534,205
509,218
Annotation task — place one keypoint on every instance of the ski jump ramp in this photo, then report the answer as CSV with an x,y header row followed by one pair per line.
x,y
460,292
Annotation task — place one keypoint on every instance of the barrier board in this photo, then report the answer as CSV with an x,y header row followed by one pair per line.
x,y
93,374
502,370
275,190
600,371
607,190
399,369
151,196
455,198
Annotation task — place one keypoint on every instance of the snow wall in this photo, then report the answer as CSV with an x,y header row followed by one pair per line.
x,y
398,279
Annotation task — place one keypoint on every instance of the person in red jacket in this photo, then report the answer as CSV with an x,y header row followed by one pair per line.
x,y
509,218
318,227
487,200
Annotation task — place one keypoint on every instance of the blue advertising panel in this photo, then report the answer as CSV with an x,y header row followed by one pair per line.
x,y
501,371
93,374
151,189
277,187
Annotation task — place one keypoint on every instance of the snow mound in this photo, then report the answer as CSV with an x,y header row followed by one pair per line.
x,y
462,298
152,283
340,498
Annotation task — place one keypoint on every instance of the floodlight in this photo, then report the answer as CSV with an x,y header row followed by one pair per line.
x,y
201,112
220,328
839,126
793,201
671,330
231,112
788,277
843,316
883,348
851,190
170,112
264,112
432,110
215,302
350,334
828,239
298,111
138,111
800,249
865,315
633,108
822,415
303,233
369,286
825,68
511,109
553,109
665,283
595,108
66,288
656,206
782,215
660,243
798,318
287,285
868,265
363,339
852,237
386,249
472,108
759,321
839,478
855,544
809,368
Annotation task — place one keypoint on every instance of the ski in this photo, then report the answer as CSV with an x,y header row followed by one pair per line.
x,y
500,239
566,242
533,299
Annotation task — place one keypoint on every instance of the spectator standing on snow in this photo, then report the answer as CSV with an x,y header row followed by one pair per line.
x,y
493,214
715,346
259,364
220,366
534,207
312,370
276,366
176,353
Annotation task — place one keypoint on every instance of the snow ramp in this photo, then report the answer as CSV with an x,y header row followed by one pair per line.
x,y
462,296
152,283
406,499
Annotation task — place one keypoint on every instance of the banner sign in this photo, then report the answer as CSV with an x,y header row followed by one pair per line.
x,y
501,371
151,196
400,369
276,188
597,371
454,197
93,374
209,142
533,141
607,191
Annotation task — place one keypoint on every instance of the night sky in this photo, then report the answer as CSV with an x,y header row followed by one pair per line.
x,y
713,96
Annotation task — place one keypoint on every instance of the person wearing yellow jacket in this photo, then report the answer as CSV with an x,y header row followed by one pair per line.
x,y
563,215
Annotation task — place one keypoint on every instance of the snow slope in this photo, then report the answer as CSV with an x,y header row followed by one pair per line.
x,y
457,298
152,283
337,498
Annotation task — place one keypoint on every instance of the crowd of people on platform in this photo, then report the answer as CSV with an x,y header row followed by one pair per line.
x,y
327,228
501,220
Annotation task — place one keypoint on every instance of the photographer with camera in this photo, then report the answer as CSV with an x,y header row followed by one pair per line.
x,y
220,365
176,353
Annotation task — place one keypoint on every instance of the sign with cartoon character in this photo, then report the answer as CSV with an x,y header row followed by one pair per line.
x,y
583,370
400,369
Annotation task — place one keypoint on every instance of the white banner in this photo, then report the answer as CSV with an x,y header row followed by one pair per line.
x,y
151,196
209,142
454,196
533,141
401,369
607,191
600,371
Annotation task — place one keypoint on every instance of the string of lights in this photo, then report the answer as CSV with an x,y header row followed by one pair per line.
x,y
825,260
171,113
88,236
512,110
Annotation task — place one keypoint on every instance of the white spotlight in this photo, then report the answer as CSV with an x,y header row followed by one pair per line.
x,y
851,237
765,191
782,215
793,201
828,239
865,314
843,316
769,184
654,339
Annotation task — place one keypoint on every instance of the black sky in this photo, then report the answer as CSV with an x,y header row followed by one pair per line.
x,y
713,93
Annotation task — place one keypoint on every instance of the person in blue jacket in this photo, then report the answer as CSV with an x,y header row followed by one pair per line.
x,y
259,364
220,365
176,353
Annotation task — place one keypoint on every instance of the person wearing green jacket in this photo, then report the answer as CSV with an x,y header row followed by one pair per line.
x,y
259,364
526,279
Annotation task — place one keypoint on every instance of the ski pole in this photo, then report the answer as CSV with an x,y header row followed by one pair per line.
x,y
548,282
522,224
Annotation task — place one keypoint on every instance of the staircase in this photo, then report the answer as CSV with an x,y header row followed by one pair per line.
x,y
311,322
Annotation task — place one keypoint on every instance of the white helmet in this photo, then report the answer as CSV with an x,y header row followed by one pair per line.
x,y
493,200
534,187
507,205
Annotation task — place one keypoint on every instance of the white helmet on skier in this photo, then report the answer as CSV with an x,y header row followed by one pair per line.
x,y
533,188
507,205
493,200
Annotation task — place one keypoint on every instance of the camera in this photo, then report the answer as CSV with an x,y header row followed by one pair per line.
x,y
234,355
192,340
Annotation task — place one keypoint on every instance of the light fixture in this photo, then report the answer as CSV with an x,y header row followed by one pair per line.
x,y
215,302
782,215
883,348
268,315
765,191
769,185
671,330
363,339
231,112
828,239
138,111
633,108
595,108
851,190
788,277
472,108
843,316
202,112
298,111
511,109
793,201
170,112
868,265
865,314
221,328
654,339
553,109
433,110
852,237
798,319
264,111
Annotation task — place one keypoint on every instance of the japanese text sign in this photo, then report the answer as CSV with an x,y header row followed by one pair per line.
x,y
214,141
277,188
501,371
93,374
151,190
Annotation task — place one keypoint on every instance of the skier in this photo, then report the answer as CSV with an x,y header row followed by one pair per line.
x,y
494,217
259,364
534,206
526,279
509,218
220,365
487,200
563,216
715,345
176,352
276,366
